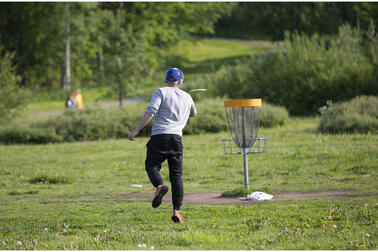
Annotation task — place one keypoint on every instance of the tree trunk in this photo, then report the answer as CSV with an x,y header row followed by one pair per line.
x,y
294,17
120,96
101,63
23,65
67,75
119,79
358,22
62,73
119,64
344,12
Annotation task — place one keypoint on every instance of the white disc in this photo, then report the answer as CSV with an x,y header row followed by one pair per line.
x,y
198,90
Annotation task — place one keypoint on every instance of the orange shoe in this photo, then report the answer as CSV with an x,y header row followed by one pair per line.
x,y
159,194
177,217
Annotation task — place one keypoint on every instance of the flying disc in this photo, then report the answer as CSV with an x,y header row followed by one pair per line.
x,y
198,90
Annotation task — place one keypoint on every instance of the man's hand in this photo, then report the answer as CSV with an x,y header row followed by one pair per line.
x,y
132,134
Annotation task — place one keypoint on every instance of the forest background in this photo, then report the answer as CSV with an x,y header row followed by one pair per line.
x,y
47,50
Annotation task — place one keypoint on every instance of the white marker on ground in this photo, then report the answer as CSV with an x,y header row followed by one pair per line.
x,y
134,185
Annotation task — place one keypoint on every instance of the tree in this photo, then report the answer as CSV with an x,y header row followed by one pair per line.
x,y
271,20
12,96
124,51
67,73
40,34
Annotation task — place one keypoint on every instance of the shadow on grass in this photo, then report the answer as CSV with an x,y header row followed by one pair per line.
x,y
212,65
203,67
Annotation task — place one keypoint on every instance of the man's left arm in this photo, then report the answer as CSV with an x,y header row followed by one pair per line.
x,y
193,110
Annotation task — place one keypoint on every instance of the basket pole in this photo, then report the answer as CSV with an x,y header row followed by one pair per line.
x,y
245,157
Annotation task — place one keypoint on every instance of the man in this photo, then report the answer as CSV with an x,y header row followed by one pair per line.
x,y
171,108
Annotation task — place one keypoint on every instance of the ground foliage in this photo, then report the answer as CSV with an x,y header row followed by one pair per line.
x,y
100,124
357,115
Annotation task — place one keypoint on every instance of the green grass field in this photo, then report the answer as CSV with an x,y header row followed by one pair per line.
x,y
71,195
204,56
77,195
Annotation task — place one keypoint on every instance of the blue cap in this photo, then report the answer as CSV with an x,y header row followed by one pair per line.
x,y
173,74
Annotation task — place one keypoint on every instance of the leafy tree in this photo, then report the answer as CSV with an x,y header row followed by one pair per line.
x,y
27,31
12,96
35,32
271,20
305,73
124,52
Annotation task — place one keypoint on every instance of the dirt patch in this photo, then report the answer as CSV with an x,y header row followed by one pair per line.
x,y
103,105
214,198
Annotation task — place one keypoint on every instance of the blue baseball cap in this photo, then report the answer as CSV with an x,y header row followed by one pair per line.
x,y
173,74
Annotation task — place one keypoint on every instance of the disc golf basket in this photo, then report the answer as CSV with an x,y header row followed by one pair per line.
x,y
243,118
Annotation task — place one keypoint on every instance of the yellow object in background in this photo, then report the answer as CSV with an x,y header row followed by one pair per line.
x,y
78,99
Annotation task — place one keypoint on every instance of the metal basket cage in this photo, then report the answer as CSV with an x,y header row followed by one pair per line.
x,y
230,147
243,124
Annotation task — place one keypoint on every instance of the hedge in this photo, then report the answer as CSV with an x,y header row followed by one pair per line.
x,y
359,115
99,124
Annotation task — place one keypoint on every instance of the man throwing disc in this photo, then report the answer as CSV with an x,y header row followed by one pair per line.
x,y
171,108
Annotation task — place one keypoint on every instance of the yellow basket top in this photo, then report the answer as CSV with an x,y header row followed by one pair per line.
x,y
243,103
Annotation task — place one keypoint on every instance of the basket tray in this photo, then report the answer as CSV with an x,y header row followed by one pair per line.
x,y
230,147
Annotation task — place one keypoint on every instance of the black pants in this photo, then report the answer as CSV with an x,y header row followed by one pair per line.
x,y
160,148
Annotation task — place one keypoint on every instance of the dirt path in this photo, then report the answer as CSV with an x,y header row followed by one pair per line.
x,y
103,105
216,199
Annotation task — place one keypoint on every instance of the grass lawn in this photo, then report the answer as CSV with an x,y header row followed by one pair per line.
x,y
68,196
204,56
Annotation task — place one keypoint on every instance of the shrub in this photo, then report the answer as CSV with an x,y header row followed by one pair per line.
x,y
96,124
359,115
273,115
19,133
210,117
12,96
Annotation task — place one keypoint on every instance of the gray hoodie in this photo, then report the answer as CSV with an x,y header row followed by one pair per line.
x,y
171,108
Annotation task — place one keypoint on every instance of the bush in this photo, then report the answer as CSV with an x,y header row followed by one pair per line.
x,y
211,117
305,72
96,124
273,115
12,96
359,115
